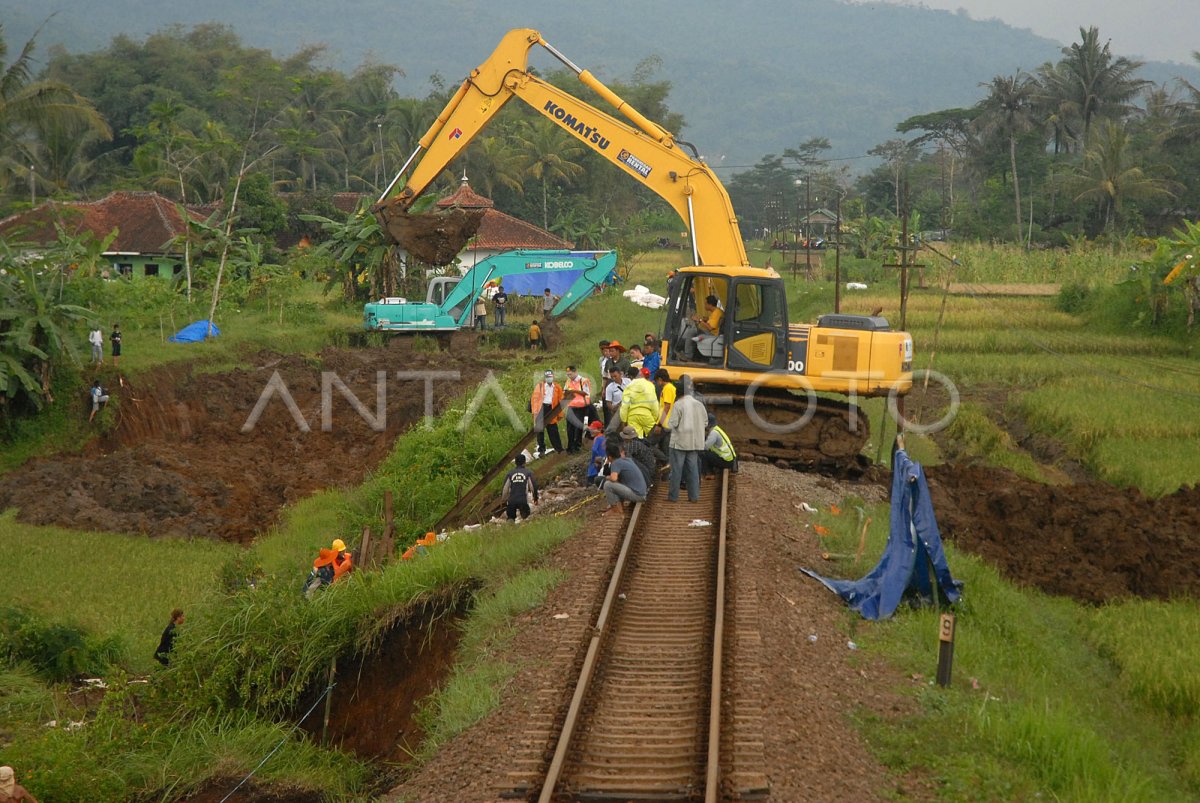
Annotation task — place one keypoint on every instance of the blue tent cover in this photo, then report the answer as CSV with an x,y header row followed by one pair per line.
x,y
194,333
913,557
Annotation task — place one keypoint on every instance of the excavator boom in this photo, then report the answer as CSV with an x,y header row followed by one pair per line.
x,y
726,323
641,148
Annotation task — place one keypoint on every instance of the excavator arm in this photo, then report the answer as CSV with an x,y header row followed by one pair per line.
x,y
641,148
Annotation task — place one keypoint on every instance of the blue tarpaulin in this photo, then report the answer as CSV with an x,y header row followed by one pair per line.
x,y
194,332
559,283
913,558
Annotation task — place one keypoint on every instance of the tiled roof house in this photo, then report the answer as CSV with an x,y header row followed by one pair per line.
x,y
146,222
498,232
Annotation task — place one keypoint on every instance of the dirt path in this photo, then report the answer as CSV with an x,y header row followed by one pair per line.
x,y
178,462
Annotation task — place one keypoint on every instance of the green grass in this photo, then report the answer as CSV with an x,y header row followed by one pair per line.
x,y
1046,701
474,687
973,433
107,583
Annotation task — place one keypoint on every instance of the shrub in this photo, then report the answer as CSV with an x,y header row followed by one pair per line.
x,y
55,651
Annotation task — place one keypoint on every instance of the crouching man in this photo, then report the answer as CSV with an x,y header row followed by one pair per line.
x,y
625,482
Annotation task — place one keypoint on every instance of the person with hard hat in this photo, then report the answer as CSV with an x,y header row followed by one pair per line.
x,y
330,566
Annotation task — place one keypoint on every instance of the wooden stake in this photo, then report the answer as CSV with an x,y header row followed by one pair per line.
x,y
862,540
328,701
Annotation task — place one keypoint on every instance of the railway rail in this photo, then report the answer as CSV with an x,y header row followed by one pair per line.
x,y
646,718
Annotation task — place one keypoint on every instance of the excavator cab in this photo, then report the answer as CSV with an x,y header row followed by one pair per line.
x,y
750,313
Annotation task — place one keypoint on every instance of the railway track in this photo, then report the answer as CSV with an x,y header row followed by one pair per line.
x,y
646,717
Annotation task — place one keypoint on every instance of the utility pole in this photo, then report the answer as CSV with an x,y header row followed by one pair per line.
x,y
796,230
807,228
837,258
32,186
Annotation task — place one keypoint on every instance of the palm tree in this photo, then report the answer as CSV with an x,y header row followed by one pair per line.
x,y
29,107
1007,112
1107,178
1094,83
551,157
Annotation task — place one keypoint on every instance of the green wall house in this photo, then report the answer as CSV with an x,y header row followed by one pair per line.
x,y
146,224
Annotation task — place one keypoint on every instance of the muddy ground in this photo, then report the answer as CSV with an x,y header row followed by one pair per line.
x,y
178,463
1088,540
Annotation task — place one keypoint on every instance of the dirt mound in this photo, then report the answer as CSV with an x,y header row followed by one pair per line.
x,y
433,237
179,463
1089,541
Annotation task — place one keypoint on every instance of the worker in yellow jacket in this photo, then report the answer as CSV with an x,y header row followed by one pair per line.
x,y
639,403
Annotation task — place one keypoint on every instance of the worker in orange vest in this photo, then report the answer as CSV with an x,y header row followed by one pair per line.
x,y
544,405
578,389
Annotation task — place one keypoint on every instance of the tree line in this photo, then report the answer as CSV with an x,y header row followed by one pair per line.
x,y
1078,148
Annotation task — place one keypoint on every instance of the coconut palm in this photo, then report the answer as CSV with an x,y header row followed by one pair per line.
x,y
1108,178
1092,83
1008,113
29,107
552,157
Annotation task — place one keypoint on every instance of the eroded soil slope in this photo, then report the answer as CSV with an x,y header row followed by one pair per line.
x,y
1086,540
178,463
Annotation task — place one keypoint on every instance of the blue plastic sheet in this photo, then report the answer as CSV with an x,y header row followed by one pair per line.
x,y
194,332
913,558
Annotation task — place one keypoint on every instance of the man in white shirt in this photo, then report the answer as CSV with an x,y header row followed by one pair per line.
x,y
614,393
96,338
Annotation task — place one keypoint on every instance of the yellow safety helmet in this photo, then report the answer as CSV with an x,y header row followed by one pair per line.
x,y
339,545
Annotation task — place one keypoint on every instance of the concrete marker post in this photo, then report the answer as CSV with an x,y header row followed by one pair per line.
x,y
945,649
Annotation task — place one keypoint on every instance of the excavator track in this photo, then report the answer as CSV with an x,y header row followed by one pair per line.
x,y
830,442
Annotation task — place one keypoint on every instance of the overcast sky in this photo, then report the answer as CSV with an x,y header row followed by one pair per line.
x,y
1159,30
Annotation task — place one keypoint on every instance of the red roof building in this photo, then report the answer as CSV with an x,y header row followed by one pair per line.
x,y
145,222
498,232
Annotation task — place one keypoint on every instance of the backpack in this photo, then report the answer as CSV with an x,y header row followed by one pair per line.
x,y
318,577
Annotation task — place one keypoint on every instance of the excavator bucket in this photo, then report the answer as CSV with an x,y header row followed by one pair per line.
x,y
432,237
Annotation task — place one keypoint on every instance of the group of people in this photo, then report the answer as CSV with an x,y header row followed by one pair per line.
x,y
499,299
97,394
96,339
636,420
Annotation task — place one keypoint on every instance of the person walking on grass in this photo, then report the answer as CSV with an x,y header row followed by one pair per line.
x,y
536,341
115,339
167,642
687,422
96,338
519,488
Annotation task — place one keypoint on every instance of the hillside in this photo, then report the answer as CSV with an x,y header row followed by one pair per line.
x,y
751,78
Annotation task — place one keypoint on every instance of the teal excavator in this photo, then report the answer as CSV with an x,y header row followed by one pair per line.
x,y
571,275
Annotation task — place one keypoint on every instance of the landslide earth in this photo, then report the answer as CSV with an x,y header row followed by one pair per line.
x,y
177,462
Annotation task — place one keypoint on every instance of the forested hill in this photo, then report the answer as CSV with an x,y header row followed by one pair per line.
x,y
750,77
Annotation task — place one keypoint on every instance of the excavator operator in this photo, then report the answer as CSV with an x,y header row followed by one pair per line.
x,y
702,328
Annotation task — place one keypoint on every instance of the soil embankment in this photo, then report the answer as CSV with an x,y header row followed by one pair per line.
x,y
1088,540
179,463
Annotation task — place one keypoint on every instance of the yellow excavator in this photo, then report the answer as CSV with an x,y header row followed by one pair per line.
x,y
776,376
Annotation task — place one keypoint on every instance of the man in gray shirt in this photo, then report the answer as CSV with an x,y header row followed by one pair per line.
x,y
625,482
687,421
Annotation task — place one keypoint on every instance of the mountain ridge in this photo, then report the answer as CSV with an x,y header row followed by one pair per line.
x,y
750,78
